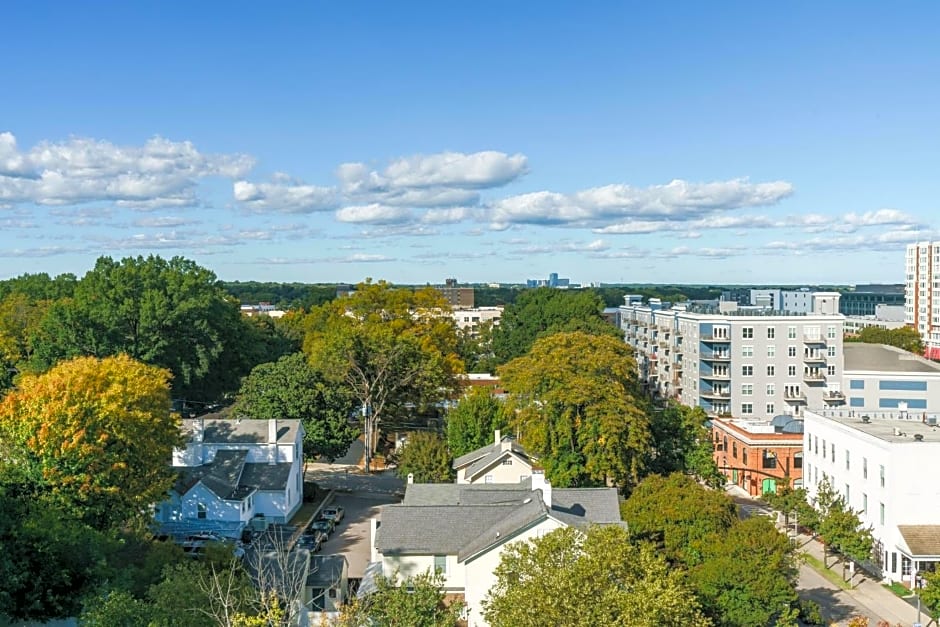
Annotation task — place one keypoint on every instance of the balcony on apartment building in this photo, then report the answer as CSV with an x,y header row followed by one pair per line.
x,y
716,356
716,339
793,395
718,375
814,376
814,357
716,394
814,339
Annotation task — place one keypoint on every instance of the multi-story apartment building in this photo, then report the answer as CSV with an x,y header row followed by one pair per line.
x,y
883,464
922,294
746,363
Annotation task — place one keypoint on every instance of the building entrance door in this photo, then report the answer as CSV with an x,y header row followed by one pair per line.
x,y
769,485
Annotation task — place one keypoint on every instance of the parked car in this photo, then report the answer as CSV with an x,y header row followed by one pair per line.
x,y
310,541
334,513
323,525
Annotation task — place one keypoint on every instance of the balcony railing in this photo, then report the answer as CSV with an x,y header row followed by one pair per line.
x,y
813,340
718,394
716,338
814,358
716,357
793,396
815,377
721,376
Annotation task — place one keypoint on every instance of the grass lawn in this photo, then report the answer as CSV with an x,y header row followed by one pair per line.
x,y
832,576
898,589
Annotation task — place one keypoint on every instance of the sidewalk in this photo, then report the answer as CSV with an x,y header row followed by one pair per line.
x,y
867,593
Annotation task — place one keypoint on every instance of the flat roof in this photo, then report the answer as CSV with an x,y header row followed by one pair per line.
x,y
879,357
887,426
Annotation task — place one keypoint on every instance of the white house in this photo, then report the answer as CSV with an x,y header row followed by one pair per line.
x,y
884,463
231,471
461,530
504,461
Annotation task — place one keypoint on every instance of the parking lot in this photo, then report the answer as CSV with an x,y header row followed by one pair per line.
x,y
351,537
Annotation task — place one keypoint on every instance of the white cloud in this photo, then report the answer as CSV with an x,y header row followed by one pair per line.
x,y
448,216
479,170
374,214
158,173
284,195
164,222
616,205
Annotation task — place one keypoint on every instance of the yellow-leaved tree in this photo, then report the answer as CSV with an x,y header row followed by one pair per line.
x,y
94,435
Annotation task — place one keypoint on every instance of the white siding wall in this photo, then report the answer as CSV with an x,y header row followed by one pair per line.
x,y
216,508
910,495
504,473
480,577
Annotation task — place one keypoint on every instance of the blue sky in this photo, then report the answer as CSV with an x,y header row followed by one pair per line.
x,y
488,141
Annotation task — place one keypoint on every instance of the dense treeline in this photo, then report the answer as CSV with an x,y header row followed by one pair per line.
x,y
283,296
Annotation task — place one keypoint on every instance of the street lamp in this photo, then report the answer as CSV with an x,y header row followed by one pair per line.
x,y
916,594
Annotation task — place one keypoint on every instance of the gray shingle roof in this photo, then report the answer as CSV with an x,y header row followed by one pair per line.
x,y
488,450
466,519
270,477
226,431
326,571
921,539
867,357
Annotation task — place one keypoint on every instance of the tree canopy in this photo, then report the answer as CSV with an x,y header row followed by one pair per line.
x,y
391,348
290,388
593,579
575,396
544,311
416,601
95,434
473,421
168,313
679,514
425,456
682,443
905,338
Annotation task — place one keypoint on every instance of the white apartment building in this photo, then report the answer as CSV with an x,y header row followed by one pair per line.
x,y
472,319
746,363
884,464
922,293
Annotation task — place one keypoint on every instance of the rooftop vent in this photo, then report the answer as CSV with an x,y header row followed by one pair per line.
x,y
919,437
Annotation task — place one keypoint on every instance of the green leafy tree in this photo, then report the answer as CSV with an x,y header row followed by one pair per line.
x,y
679,514
905,338
472,422
793,503
291,388
594,579
393,349
575,396
168,313
682,443
49,559
19,318
39,287
116,609
96,434
544,311
930,593
416,601
746,575
838,526
425,456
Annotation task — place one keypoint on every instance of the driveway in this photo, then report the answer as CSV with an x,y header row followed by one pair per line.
x,y
351,537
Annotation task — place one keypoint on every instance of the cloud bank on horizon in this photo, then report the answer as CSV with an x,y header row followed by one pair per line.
x,y
83,197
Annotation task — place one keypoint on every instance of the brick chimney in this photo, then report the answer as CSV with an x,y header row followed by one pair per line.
x,y
498,438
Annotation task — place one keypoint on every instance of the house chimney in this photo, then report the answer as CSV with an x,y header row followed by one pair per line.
x,y
411,478
272,430
199,429
499,437
540,483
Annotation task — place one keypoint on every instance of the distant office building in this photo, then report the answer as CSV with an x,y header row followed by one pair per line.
x,y
458,297
864,299
886,317
553,280
472,319
922,294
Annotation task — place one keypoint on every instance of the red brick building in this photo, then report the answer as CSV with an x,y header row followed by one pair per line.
x,y
759,456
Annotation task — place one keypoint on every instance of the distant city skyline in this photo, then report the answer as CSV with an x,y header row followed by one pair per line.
x,y
493,142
